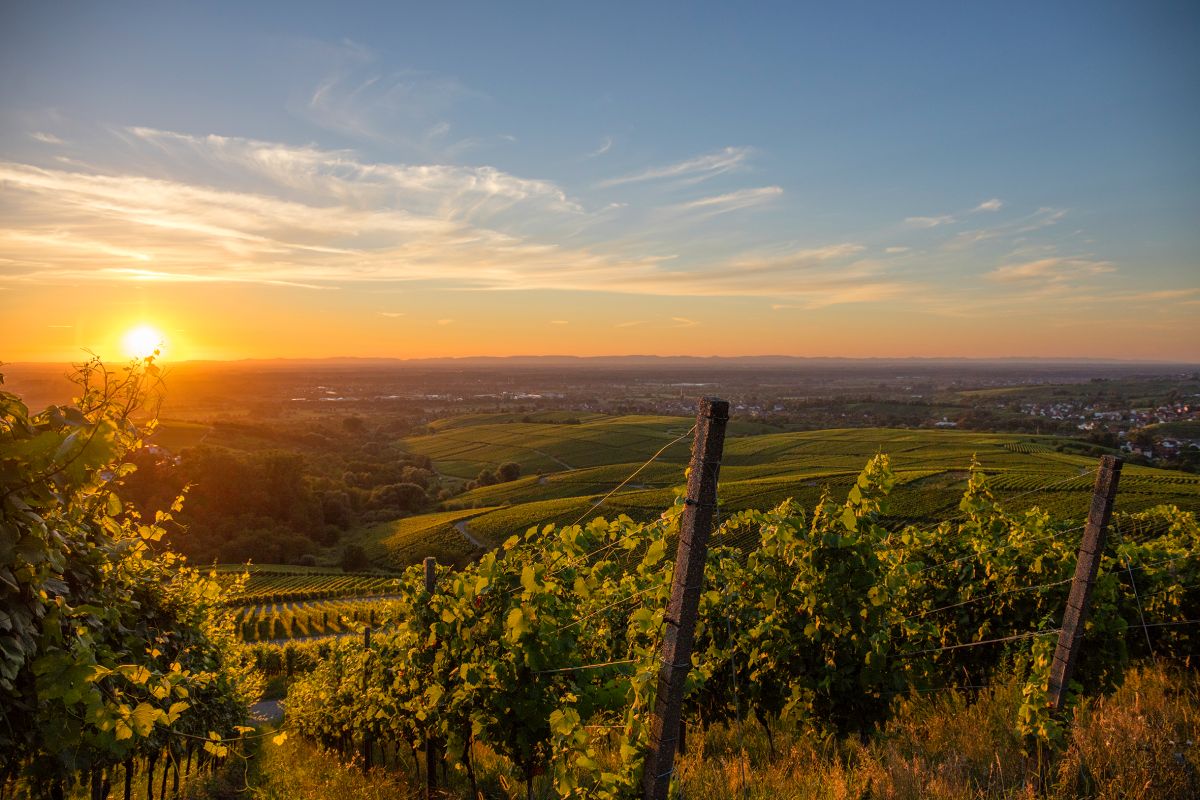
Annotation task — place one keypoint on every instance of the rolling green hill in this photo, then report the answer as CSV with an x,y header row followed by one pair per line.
x,y
571,463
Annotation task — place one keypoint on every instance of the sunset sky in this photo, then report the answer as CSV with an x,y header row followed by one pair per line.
x,y
421,179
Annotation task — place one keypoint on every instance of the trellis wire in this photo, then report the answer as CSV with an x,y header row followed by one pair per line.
x,y
999,640
1141,615
987,597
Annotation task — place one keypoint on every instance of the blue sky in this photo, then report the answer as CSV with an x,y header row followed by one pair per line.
x,y
867,179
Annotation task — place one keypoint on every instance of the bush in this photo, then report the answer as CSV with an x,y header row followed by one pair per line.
x,y
354,558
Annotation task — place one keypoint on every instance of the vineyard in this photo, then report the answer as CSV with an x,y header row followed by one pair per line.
x,y
545,653
568,467
267,586
299,619
573,660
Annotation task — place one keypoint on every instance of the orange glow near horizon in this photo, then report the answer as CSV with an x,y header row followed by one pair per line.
x,y
222,322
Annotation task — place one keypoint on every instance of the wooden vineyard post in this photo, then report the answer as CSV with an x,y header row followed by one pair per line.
x,y
1090,550
431,748
686,585
366,743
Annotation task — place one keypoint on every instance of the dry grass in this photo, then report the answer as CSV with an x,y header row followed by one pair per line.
x,y
1142,742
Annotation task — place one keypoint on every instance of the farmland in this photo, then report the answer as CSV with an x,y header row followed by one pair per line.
x,y
275,584
300,619
569,467
822,611
571,464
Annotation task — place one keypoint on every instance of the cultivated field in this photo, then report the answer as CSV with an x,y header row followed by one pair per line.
x,y
568,468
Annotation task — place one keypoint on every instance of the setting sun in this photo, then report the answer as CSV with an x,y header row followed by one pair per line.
x,y
143,341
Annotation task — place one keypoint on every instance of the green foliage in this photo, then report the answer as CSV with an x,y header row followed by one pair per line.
x,y
824,621
107,650
354,558
495,653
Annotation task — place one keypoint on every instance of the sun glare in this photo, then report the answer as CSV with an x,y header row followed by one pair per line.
x,y
142,341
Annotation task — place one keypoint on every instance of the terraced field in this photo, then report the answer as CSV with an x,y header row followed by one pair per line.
x,y
570,467
280,585
461,450
306,619
398,543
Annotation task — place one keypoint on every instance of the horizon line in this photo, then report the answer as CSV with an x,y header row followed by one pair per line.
x,y
647,357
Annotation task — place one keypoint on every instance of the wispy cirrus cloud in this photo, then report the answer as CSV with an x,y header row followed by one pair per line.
x,y
1050,271
412,108
604,147
994,204
45,138
732,201
1028,223
930,222
216,208
693,169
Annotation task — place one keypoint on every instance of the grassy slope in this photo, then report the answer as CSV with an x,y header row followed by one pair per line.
x,y
568,467
941,746
761,471
462,450
407,541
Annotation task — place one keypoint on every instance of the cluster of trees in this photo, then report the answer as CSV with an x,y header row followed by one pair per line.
x,y
275,505
505,473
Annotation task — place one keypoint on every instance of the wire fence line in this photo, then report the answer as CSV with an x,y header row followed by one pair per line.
x,y
998,640
609,607
998,548
1163,561
986,597
1008,500
1164,624
635,473
553,568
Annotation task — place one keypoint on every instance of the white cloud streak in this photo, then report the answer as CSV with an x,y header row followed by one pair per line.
x,y
212,209
248,211
604,147
930,222
732,201
693,169
1050,271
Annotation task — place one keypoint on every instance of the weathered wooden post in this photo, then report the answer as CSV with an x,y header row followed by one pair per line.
x,y
366,743
431,747
1090,551
686,586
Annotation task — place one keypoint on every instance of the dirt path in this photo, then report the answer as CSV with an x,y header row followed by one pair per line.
x,y
552,457
461,527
